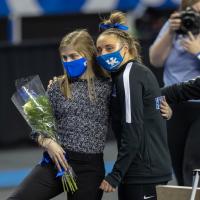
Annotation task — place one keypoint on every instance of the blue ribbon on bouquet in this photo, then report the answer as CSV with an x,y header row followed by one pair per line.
x,y
24,95
46,159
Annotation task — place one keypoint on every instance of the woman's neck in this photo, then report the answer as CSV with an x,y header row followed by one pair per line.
x,y
127,58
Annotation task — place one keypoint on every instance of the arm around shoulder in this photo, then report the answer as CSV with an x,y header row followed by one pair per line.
x,y
183,91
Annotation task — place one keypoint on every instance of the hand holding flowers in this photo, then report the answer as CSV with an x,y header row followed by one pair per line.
x,y
34,105
55,151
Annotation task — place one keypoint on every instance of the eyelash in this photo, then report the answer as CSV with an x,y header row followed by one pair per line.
x,y
71,56
109,48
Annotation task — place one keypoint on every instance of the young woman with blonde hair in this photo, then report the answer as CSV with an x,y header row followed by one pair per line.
x,y
80,100
143,159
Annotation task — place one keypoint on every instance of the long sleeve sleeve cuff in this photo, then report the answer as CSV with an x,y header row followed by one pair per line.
x,y
112,181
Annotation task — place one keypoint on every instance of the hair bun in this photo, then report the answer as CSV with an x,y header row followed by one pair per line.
x,y
116,19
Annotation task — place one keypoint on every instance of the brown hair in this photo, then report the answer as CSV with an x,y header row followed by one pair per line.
x,y
82,42
124,36
188,3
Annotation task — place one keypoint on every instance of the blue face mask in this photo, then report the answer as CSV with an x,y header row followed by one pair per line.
x,y
75,68
111,61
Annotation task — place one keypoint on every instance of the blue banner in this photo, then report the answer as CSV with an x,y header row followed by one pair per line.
x,y
49,7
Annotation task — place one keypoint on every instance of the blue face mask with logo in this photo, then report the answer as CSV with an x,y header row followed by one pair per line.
x,y
75,68
111,61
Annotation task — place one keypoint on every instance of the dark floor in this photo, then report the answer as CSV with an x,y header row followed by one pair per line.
x,y
20,160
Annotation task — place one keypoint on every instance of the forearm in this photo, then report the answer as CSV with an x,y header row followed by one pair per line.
x,y
160,49
182,92
120,168
126,154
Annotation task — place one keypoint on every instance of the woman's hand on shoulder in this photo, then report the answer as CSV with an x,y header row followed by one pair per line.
x,y
165,110
55,79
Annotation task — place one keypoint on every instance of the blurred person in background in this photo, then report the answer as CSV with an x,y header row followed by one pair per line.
x,y
177,50
143,159
80,100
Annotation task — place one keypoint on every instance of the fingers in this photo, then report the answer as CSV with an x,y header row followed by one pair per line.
x,y
63,150
55,79
191,44
175,15
62,161
175,21
165,115
58,155
50,83
164,107
185,43
196,7
106,187
174,26
191,36
57,164
165,110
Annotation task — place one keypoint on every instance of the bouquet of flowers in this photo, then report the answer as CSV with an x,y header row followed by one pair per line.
x,y
34,105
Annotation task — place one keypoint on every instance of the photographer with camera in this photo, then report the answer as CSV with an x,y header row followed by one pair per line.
x,y
177,50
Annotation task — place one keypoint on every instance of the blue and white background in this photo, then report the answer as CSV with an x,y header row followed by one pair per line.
x,y
48,7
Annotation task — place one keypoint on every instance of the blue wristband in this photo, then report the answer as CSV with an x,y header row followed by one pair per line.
x,y
198,55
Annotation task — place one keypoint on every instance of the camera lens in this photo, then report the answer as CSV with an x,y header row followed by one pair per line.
x,y
188,22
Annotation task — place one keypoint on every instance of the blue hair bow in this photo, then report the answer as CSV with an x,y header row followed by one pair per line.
x,y
116,25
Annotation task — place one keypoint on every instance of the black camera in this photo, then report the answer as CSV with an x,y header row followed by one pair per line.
x,y
190,21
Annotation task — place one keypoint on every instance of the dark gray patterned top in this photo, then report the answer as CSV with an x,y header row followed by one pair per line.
x,y
82,124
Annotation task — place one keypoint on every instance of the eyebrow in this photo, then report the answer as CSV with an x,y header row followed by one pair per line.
x,y
69,55
107,45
